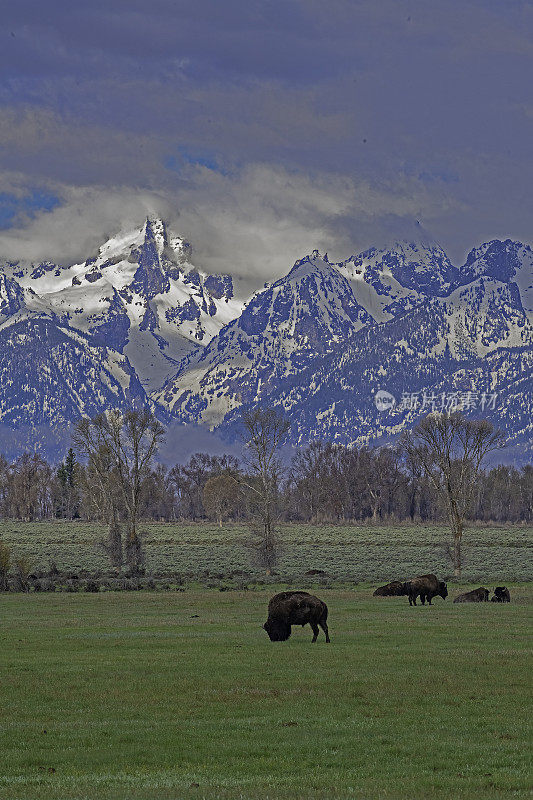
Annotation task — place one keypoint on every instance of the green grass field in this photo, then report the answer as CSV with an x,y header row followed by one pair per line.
x,y
348,554
181,695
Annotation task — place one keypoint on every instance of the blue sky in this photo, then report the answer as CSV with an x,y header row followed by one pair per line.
x,y
262,130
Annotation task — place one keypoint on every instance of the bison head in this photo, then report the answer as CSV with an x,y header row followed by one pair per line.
x,y
443,590
278,631
502,595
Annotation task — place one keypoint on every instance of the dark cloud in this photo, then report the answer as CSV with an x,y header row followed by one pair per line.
x,y
426,106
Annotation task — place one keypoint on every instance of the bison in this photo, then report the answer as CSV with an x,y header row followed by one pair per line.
x,y
295,608
501,595
392,589
427,586
480,595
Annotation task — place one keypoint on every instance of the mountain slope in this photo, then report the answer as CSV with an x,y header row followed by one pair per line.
x,y
298,319
53,374
473,349
139,294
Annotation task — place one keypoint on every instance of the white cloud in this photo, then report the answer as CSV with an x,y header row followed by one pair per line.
x,y
74,230
253,224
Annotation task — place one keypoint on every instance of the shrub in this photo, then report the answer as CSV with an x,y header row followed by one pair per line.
x,y
22,574
5,563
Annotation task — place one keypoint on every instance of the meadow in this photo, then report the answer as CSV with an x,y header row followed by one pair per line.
x,y
180,694
347,554
122,696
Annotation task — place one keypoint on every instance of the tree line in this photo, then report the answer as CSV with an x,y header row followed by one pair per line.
x,y
324,483
434,473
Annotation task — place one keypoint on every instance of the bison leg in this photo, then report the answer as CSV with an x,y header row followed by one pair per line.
x,y
429,599
324,626
423,599
314,626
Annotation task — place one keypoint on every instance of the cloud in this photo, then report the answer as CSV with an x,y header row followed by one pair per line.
x,y
73,232
317,124
254,222
257,223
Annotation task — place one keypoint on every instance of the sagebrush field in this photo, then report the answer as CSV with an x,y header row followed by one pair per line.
x,y
346,553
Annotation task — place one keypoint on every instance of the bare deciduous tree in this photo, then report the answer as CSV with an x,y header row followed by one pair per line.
x,y
451,449
220,497
265,431
122,446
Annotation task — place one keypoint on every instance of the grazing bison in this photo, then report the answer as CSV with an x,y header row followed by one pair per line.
x,y
427,586
295,608
501,595
392,589
480,595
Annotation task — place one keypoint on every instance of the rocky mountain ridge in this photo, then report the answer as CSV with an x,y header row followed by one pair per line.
x,y
137,322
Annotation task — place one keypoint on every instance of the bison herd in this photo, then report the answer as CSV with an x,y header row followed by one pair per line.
x,y
427,587
301,608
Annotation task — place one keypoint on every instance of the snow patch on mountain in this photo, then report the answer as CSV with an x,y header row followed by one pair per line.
x,y
281,329
140,294
316,307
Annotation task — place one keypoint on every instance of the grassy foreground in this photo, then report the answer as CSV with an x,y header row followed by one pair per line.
x,y
181,695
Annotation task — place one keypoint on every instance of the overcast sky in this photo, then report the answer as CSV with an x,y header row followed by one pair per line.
x,y
263,130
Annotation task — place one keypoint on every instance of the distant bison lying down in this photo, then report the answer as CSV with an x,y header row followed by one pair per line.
x,y
392,589
295,608
480,595
427,586
501,595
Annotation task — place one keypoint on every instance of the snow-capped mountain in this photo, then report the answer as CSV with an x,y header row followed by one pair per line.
x,y
508,261
137,323
52,373
317,307
281,330
139,295
388,282
423,328
474,347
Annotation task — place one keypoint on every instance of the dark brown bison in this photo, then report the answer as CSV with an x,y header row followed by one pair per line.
x,y
501,595
480,595
295,608
392,589
427,586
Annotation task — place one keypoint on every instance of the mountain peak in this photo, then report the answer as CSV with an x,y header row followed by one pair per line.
x,y
311,264
155,230
415,265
